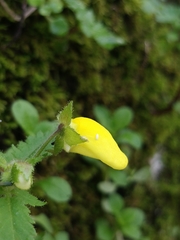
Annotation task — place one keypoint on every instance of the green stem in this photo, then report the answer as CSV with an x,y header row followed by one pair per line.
x,y
48,140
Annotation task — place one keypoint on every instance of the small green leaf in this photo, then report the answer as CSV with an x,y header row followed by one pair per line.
x,y
113,204
75,5
35,3
132,232
44,221
58,25
122,117
26,115
52,6
119,177
58,189
65,115
71,137
107,187
47,236
62,236
116,202
109,40
103,115
103,230
130,137
131,216
142,175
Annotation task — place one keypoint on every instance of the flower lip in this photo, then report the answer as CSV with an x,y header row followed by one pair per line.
x,y
100,143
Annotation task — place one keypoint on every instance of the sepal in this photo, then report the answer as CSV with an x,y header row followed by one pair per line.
x,y
71,137
64,117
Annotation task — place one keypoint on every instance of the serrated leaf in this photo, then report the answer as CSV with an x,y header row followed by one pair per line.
x,y
26,115
58,189
58,145
71,137
65,115
3,163
15,221
27,149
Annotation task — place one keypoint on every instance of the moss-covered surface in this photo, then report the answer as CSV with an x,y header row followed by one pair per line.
x,y
143,74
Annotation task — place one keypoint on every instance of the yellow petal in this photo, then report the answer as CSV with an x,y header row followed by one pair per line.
x,y
100,143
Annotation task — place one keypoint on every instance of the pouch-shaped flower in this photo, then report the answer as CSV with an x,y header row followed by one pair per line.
x,y
100,143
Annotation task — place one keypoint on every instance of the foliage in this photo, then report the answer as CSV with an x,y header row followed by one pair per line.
x,y
58,189
90,27
15,214
17,169
143,74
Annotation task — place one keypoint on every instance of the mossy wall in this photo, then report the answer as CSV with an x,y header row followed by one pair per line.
x,y
144,74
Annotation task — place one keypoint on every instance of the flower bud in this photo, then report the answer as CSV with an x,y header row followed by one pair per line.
x,y
22,175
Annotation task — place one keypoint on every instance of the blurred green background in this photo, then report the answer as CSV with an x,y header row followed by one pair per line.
x,y
108,57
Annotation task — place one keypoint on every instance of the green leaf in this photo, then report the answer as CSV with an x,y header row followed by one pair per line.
x,y
44,221
26,115
15,220
3,162
113,204
103,230
130,221
58,25
26,150
35,3
75,5
142,175
65,115
62,236
119,177
52,6
132,232
93,28
107,187
131,216
103,115
130,137
122,117
71,137
47,236
108,40
45,126
58,189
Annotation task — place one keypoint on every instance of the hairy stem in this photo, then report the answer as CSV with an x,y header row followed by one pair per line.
x,y
48,140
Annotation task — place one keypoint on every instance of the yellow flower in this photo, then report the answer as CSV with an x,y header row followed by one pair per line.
x,y
100,143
